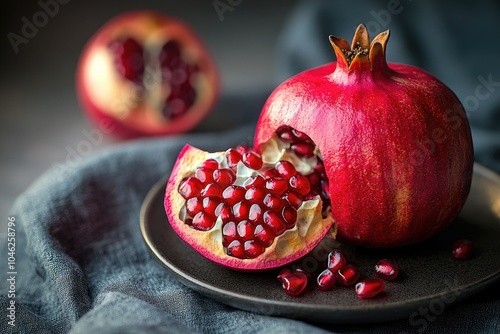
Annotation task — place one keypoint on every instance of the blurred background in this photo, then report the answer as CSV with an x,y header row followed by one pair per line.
x,y
256,45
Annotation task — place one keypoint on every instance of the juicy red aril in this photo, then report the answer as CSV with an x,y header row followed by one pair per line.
x,y
335,260
224,211
300,183
255,213
236,249
463,249
272,220
255,194
325,280
294,283
245,230
241,210
243,149
277,185
386,269
212,189
128,57
289,215
194,205
233,194
347,275
232,157
252,160
369,288
254,181
303,149
273,201
224,177
285,134
190,187
264,235
270,173
285,169
229,233
210,164
203,221
204,174
293,198
252,249
210,204
283,272
300,135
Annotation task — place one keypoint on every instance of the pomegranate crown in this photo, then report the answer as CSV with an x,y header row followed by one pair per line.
x,y
361,53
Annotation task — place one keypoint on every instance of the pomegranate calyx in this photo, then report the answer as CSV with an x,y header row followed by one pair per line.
x,y
361,53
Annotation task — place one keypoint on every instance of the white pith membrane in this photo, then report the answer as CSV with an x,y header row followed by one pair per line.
x,y
312,224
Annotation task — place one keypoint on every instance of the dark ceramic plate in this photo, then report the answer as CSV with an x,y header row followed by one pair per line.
x,y
430,276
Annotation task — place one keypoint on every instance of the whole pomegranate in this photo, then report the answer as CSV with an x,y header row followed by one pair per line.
x,y
395,142
146,73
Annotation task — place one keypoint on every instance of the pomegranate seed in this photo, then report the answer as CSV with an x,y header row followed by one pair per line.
x,y
210,164
277,185
235,248
194,205
255,213
252,249
229,233
245,230
285,134
233,194
289,215
293,198
335,260
270,173
300,135
272,220
314,179
255,194
369,288
232,158
203,221
224,177
285,169
283,272
241,149
241,210
252,160
386,269
325,280
319,167
210,204
129,59
300,183
273,201
204,174
294,283
190,187
212,189
224,211
463,249
254,181
303,149
264,235
347,275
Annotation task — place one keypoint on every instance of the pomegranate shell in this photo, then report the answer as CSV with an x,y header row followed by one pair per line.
x,y
395,142
286,248
129,109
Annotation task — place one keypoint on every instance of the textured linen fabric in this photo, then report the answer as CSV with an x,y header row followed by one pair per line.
x,y
83,267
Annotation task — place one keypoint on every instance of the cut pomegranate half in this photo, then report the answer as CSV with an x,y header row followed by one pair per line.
x,y
249,211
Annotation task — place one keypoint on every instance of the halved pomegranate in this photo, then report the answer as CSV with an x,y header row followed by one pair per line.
x,y
147,74
248,211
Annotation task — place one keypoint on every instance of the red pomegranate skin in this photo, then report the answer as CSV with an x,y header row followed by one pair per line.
x,y
395,142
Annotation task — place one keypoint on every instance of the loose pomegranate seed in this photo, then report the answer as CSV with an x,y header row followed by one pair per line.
x,y
204,174
325,280
253,249
224,211
386,269
224,177
294,283
241,210
254,181
194,205
277,185
283,272
255,194
203,221
236,249
273,201
272,220
303,149
255,213
245,230
285,169
463,249
229,233
232,158
212,189
129,59
210,204
252,160
300,184
293,198
190,187
210,164
347,275
335,260
289,215
264,235
369,288
233,194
